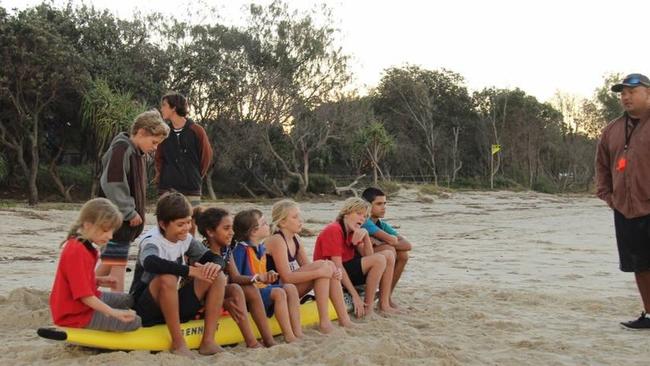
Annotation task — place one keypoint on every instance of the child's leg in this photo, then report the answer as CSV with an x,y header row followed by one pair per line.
x,y
235,298
213,294
373,266
103,322
281,311
336,295
118,273
293,304
386,281
258,312
321,288
164,292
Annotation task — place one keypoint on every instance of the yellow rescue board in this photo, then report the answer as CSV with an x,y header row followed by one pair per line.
x,y
157,338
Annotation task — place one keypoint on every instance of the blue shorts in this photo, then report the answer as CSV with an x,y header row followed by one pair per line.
x,y
266,298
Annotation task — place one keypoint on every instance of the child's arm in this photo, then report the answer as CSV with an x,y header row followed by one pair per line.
x,y
98,305
277,249
106,281
236,277
359,308
385,237
301,256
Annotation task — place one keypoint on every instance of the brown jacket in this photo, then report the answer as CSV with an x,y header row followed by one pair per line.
x,y
625,190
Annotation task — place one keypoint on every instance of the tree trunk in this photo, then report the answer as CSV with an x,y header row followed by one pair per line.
x,y
57,180
208,183
304,183
33,174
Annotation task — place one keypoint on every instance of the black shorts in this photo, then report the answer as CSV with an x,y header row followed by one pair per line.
x,y
633,240
354,270
188,306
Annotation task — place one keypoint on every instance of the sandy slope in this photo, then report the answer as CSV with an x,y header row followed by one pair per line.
x,y
495,279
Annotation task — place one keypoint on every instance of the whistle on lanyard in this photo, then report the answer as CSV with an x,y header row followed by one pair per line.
x,y
621,164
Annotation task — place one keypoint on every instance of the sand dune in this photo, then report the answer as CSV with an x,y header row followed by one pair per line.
x,y
497,278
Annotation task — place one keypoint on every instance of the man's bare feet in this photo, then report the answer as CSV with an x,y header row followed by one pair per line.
x,y
208,349
183,351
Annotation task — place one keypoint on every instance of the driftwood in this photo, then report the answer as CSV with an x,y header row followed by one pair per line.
x,y
349,187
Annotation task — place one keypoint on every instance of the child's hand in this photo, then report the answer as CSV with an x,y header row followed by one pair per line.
x,y
359,306
124,316
136,220
338,274
269,277
207,271
358,235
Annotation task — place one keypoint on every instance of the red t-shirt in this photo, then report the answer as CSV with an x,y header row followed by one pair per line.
x,y
332,243
75,279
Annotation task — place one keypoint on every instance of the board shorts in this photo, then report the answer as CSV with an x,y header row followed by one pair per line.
x,y
633,241
115,253
188,306
355,271
265,292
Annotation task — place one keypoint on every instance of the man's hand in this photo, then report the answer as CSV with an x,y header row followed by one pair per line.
x,y
136,220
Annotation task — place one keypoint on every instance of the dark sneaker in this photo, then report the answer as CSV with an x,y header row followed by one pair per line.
x,y
642,323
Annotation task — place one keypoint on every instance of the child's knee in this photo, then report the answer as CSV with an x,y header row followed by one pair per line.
x,y
278,294
290,289
167,281
220,280
378,260
402,255
390,256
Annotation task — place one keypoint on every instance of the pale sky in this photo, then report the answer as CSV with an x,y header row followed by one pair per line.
x,y
539,46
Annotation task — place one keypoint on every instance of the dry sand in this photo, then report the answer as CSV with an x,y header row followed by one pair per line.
x,y
496,278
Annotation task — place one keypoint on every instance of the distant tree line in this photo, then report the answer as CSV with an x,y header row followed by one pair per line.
x,y
275,100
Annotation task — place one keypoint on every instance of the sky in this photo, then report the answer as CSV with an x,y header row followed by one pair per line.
x,y
539,46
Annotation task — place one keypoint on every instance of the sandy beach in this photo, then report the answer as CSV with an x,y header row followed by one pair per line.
x,y
495,278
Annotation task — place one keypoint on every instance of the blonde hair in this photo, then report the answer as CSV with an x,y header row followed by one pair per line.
x,y
280,211
151,122
97,211
353,204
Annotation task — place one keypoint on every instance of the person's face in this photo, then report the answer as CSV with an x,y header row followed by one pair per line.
x,y
146,142
97,233
178,229
165,110
222,234
293,221
378,207
262,230
634,100
355,219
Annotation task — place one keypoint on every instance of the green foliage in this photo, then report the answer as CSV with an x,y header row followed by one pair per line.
x,y
389,187
4,168
318,184
609,105
106,112
78,175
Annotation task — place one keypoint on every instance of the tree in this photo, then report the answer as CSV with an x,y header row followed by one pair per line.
x,y
296,67
375,142
425,105
37,64
105,113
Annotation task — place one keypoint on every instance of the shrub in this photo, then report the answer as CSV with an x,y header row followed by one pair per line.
x,y
389,187
318,184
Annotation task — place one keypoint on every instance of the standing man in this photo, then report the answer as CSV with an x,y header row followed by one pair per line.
x,y
183,159
623,181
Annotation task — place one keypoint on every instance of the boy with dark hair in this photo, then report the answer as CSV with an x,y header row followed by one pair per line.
x,y
124,182
183,159
162,261
384,236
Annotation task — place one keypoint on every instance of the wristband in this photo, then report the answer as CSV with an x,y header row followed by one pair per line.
x,y
254,279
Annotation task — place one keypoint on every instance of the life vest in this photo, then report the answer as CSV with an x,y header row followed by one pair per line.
x,y
256,265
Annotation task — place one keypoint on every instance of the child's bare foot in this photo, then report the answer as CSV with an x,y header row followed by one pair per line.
x,y
347,323
290,339
393,304
255,345
326,328
388,310
269,343
183,351
208,349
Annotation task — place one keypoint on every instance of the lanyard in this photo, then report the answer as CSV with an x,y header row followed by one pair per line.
x,y
628,136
